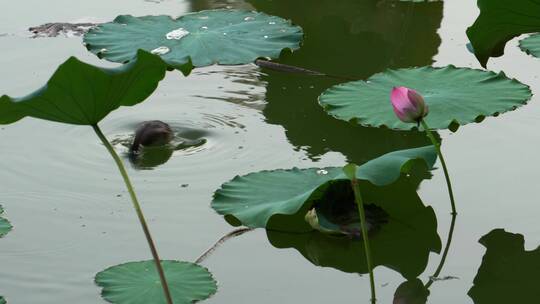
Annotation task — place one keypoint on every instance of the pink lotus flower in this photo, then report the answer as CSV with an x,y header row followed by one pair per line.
x,y
408,105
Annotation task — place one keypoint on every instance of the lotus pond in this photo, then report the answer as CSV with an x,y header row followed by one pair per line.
x,y
263,144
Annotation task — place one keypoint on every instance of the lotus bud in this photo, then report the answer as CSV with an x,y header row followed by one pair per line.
x,y
408,105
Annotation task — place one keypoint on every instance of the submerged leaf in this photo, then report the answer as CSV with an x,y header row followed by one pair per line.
x,y
402,243
138,283
5,225
280,199
83,94
455,96
500,21
508,273
199,39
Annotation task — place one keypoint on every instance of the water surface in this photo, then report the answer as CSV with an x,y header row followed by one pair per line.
x,y
73,218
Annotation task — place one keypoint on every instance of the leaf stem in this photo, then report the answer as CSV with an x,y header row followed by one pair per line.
x,y
437,146
138,209
280,67
445,253
223,239
361,211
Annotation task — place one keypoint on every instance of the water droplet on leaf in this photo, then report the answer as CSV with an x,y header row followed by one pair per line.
x,y
322,172
162,50
177,34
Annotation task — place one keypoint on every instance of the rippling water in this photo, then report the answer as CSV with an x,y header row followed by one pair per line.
x,y
71,212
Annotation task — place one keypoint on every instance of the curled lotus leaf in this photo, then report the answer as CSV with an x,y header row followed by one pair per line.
x,y
403,242
203,38
455,96
138,283
280,199
82,94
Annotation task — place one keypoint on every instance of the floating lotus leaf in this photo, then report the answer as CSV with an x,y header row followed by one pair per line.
x,y
2,300
500,21
5,226
197,39
531,45
508,273
82,94
138,283
280,199
403,243
455,96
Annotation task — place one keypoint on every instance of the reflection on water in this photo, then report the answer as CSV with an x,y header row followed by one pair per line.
x,y
247,87
84,208
199,5
350,38
411,292
403,243
359,38
353,39
509,273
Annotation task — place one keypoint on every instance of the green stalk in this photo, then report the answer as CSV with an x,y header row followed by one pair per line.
x,y
361,211
445,253
138,209
437,146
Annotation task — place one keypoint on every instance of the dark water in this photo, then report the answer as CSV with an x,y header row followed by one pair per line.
x,y
73,218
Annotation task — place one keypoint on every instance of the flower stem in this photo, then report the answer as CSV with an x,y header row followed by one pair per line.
x,y
361,211
138,209
445,253
437,146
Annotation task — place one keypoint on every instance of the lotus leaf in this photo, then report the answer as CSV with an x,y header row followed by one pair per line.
x,y
403,243
5,226
82,94
198,39
2,300
455,96
500,21
279,199
531,45
138,283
